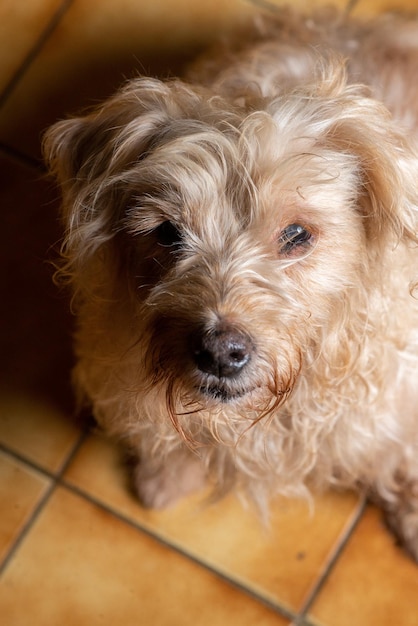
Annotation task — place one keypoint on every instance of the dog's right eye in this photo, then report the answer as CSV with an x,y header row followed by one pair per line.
x,y
168,234
294,239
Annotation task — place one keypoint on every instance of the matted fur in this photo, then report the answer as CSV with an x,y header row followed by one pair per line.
x,y
177,201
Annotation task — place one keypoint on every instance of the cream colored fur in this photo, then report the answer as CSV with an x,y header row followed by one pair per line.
x,y
278,132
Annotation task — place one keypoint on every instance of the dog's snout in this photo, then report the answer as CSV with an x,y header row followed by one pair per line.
x,y
223,353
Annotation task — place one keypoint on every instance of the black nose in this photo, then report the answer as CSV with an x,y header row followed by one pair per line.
x,y
222,352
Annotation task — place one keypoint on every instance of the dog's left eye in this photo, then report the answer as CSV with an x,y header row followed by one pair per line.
x,y
168,234
294,238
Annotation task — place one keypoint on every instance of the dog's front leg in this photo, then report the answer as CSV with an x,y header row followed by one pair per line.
x,y
163,479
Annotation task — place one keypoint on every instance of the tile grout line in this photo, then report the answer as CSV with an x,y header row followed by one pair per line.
x,y
26,461
298,618
29,161
34,50
23,159
237,584
332,561
26,528
56,479
7,150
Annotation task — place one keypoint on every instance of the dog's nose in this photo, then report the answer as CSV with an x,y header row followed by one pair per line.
x,y
223,352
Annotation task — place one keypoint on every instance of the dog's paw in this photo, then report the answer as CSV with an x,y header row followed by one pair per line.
x,y
162,487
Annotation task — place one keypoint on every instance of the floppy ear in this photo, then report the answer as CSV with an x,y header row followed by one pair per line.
x,y
387,170
80,150
89,156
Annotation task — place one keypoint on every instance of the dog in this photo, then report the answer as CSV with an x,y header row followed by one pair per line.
x,y
241,246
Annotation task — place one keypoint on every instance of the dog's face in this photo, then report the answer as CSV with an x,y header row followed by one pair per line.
x,y
243,238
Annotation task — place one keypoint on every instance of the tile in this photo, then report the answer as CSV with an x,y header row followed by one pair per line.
x,y
37,430
35,325
356,7
21,24
96,46
82,566
282,563
371,7
20,490
374,582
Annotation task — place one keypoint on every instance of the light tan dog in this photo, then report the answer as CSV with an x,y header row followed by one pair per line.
x,y
242,247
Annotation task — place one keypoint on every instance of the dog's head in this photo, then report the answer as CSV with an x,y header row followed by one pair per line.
x,y
244,232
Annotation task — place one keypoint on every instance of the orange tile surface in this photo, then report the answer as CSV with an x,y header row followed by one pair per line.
x,y
373,583
371,7
224,535
96,46
81,566
78,549
20,491
37,430
21,24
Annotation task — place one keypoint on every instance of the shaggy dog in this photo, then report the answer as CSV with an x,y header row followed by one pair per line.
x,y
242,248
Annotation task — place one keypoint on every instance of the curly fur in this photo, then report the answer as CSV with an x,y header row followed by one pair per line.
x,y
312,122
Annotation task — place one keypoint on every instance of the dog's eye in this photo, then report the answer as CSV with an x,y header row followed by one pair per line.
x,y
168,234
294,238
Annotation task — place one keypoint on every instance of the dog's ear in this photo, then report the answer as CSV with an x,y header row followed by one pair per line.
x,y
89,155
387,169
79,150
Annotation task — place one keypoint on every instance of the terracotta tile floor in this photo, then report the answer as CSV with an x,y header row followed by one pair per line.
x,y
75,547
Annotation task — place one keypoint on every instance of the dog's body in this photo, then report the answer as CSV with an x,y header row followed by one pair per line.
x,y
242,248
